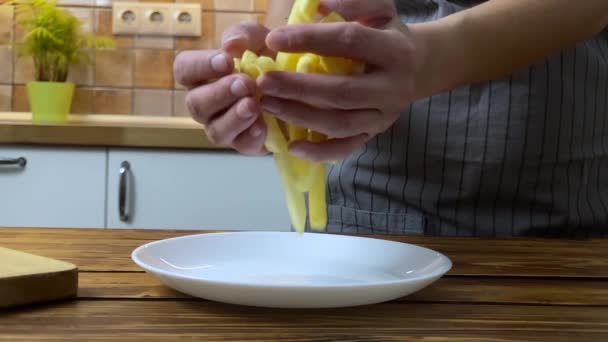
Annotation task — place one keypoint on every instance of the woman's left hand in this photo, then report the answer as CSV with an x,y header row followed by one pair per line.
x,y
349,109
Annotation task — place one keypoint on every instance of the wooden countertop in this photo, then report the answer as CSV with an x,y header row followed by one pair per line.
x,y
106,130
498,290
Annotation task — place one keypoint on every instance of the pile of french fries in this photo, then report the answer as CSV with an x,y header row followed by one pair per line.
x,y
299,177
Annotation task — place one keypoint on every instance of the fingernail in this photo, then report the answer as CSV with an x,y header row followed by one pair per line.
x,y
220,63
298,152
255,131
239,89
245,111
271,105
278,39
233,37
268,86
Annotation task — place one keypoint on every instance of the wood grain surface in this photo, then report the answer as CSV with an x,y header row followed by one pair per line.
x,y
27,278
498,290
106,130
109,250
450,289
169,320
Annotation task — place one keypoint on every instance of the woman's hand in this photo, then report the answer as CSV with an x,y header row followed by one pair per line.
x,y
349,109
226,107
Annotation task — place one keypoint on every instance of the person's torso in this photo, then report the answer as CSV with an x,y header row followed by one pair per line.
x,y
521,155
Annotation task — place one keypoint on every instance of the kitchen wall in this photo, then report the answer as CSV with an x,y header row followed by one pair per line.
x,y
136,78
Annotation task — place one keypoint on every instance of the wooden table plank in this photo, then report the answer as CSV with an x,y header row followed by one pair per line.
x,y
170,320
109,250
102,285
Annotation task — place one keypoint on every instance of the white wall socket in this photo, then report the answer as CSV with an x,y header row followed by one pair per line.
x,y
159,19
186,20
125,18
155,19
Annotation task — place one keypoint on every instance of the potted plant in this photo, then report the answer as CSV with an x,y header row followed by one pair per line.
x,y
54,39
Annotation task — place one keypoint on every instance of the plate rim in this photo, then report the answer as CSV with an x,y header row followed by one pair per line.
x,y
157,271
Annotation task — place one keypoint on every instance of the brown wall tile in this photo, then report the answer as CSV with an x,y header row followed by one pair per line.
x,y
88,3
6,64
17,33
103,26
153,42
6,24
206,5
20,99
261,5
82,102
154,68
234,5
82,74
153,102
24,69
6,95
113,102
86,15
179,103
108,3
114,68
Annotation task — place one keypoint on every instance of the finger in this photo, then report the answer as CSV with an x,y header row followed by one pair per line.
x,y
363,11
251,142
334,91
194,68
334,149
333,123
207,101
249,35
349,40
225,128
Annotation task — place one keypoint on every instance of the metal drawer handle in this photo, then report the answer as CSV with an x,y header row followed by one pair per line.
x,y
20,162
123,190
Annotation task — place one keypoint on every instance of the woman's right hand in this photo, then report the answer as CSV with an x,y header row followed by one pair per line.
x,y
227,107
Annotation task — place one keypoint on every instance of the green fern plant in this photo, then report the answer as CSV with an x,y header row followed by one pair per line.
x,y
53,38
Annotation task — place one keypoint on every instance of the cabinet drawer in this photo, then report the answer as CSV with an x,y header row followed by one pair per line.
x,y
57,187
195,190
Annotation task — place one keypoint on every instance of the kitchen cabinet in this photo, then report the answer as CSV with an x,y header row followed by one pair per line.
x,y
52,187
184,189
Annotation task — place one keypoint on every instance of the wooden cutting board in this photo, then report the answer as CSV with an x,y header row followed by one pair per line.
x,y
27,279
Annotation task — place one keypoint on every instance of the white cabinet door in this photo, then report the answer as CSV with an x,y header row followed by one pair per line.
x,y
57,187
195,190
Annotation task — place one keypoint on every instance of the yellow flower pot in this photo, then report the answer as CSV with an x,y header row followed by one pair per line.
x,y
50,102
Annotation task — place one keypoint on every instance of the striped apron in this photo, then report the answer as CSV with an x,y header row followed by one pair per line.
x,y
524,155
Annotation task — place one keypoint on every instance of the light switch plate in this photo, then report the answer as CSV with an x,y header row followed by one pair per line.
x,y
186,20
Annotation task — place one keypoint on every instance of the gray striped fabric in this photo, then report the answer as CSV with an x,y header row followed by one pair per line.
x,y
521,156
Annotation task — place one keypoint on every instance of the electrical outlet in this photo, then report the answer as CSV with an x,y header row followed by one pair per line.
x,y
158,19
125,18
155,19
186,20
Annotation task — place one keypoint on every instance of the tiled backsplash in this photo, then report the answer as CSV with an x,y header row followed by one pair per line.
x,y
136,77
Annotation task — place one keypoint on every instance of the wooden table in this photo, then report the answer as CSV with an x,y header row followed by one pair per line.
x,y
518,290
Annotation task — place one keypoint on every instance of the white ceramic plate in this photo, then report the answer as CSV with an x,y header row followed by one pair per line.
x,y
288,270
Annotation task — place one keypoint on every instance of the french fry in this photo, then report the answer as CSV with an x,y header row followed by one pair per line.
x,y
317,201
